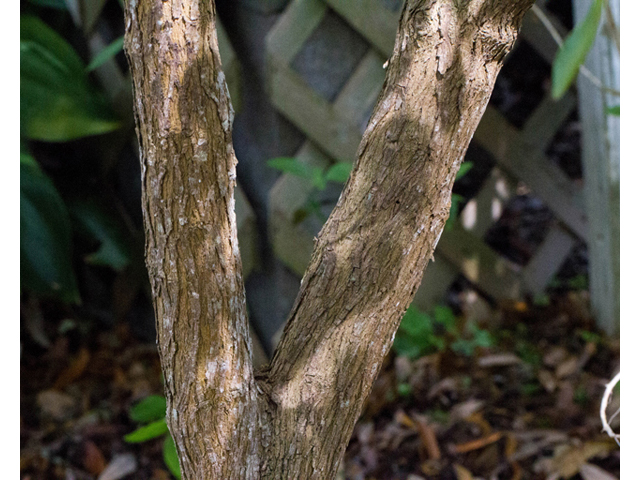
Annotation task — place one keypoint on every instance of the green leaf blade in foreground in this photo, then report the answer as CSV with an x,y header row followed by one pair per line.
x,y
170,455
148,432
45,236
57,102
575,49
149,409
97,222
106,53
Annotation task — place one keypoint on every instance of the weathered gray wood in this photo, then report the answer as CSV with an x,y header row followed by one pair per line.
x,y
530,165
313,114
601,166
293,243
357,97
536,34
483,267
548,259
231,67
369,17
295,25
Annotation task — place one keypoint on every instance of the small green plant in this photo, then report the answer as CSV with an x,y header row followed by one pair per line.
x,y
589,337
318,177
339,173
151,413
577,282
404,390
475,337
421,334
416,335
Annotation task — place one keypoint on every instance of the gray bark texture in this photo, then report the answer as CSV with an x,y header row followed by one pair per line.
x,y
293,419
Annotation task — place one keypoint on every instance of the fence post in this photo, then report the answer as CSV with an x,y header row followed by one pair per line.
x,y
601,167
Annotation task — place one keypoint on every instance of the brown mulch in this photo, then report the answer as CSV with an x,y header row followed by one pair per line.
x,y
524,408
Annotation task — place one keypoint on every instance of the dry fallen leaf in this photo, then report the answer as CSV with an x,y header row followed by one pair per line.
x,y
568,459
404,419
478,443
554,356
567,367
120,466
547,380
75,369
590,471
428,438
462,473
57,405
499,360
93,460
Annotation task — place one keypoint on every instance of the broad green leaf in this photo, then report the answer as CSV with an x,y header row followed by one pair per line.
x,y
292,166
170,455
57,102
45,236
95,221
464,169
572,54
148,432
615,110
109,51
58,4
149,409
317,178
339,172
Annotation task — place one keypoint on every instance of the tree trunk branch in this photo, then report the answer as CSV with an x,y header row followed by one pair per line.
x,y
184,116
371,254
295,421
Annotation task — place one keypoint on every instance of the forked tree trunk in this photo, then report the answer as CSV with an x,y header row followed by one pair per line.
x,y
294,419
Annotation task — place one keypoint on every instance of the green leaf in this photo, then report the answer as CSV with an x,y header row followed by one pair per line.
x,y
317,178
170,455
445,317
404,389
45,236
338,172
464,169
292,166
58,4
456,200
107,52
97,222
415,337
149,409
57,102
615,110
572,54
148,432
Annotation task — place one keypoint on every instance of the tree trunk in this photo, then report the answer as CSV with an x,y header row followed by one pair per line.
x,y
295,418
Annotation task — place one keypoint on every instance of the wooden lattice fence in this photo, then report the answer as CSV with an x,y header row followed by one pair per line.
x,y
334,127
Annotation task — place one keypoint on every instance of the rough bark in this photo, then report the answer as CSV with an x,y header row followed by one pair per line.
x,y
294,419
